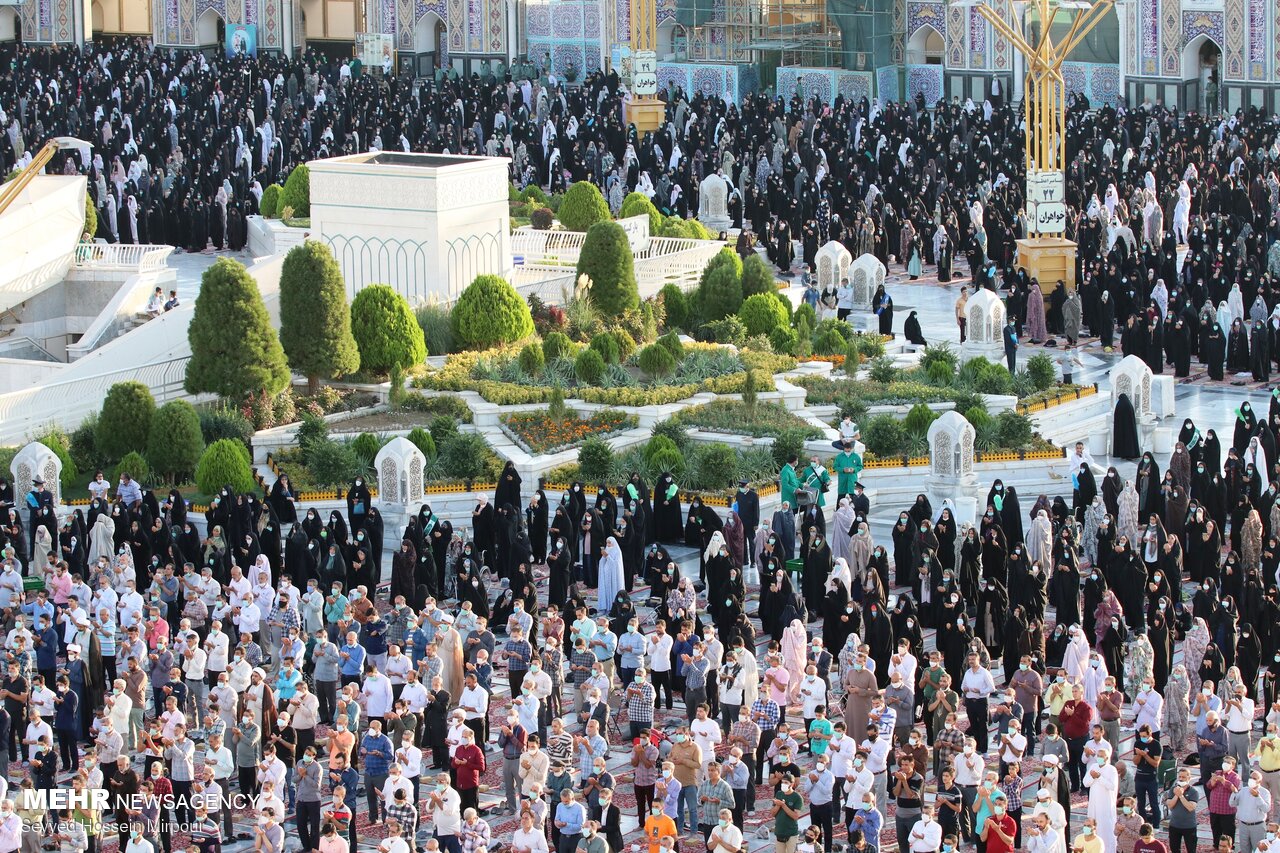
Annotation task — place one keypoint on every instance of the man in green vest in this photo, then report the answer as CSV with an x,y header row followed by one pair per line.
x,y
788,482
817,478
848,465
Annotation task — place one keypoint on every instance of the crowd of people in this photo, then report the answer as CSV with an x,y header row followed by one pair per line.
x,y
260,665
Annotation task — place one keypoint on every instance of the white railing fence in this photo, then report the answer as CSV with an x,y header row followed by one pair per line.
x,y
120,256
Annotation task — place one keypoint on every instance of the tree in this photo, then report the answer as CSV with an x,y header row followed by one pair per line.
x,y
297,191
385,330
234,350
606,259
269,206
720,294
762,313
582,207
125,422
315,322
490,312
176,442
637,204
90,217
224,463
756,277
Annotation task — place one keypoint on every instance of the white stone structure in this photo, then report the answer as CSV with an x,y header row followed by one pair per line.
x,y
951,474
1132,376
426,224
713,203
399,467
985,336
865,274
34,460
833,262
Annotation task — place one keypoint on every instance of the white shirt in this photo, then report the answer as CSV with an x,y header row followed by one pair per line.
x,y
216,648
1240,719
706,734
862,782
813,692
448,815
660,652
220,760
274,772
35,731
140,845
1016,741
926,836
977,684
729,838
416,695
907,665
397,666
1150,705
389,788
533,841
393,845
474,697
377,696
841,753
250,618
969,769
410,758
877,754
129,606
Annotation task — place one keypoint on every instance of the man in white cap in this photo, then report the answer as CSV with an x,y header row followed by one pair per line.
x,y
1048,806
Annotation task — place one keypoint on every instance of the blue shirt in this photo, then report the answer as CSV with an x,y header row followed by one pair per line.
x,y
603,644
349,779
870,825
287,684
418,644
47,649
376,765
632,648
354,664
573,815
373,636
35,610
678,650
65,716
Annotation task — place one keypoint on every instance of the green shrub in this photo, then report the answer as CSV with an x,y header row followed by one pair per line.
x,y
135,466
804,312
978,418
674,431
783,340
312,431
720,293
533,192
757,278
656,361
315,322
532,361
882,370
718,463
297,191
607,260
941,353
555,406
235,351
437,328
423,441
844,330
1015,429
589,367
583,206
490,312
366,446
269,207
972,369
870,346
595,457
728,330
626,344
463,455
442,427
675,346
667,459
788,442
224,422
676,305
656,445
762,313
750,392
1040,368
224,463
175,445
90,226
638,204
884,436
994,379
386,331
332,463
82,446
557,345
125,422
829,342
940,373
919,419
607,345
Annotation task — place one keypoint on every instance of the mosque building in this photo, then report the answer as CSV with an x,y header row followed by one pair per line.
x,y
1184,53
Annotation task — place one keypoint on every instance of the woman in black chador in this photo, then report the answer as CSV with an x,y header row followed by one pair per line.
x,y
1124,430
668,521
1238,348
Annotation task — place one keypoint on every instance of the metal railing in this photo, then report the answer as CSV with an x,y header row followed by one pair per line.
x,y
120,256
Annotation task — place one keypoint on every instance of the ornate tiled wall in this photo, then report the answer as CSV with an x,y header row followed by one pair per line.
x,y
1099,83
887,84
47,21
476,26
567,29
927,80
179,22
726,81
826,83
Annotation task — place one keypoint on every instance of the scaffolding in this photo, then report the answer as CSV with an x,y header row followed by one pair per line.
x,y
851,34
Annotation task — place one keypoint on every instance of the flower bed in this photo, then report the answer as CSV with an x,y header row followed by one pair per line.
x,y
1055,396
737,418
541,432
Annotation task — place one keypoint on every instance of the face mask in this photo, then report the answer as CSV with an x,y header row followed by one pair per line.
x,y
1088,830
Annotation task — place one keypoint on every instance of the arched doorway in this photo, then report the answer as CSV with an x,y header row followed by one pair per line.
x,y
428,43
97,17
925,46
666,41
8,24
210,29
1201,61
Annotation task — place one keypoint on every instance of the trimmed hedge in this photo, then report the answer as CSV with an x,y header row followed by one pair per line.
x,y
583,206
490,312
